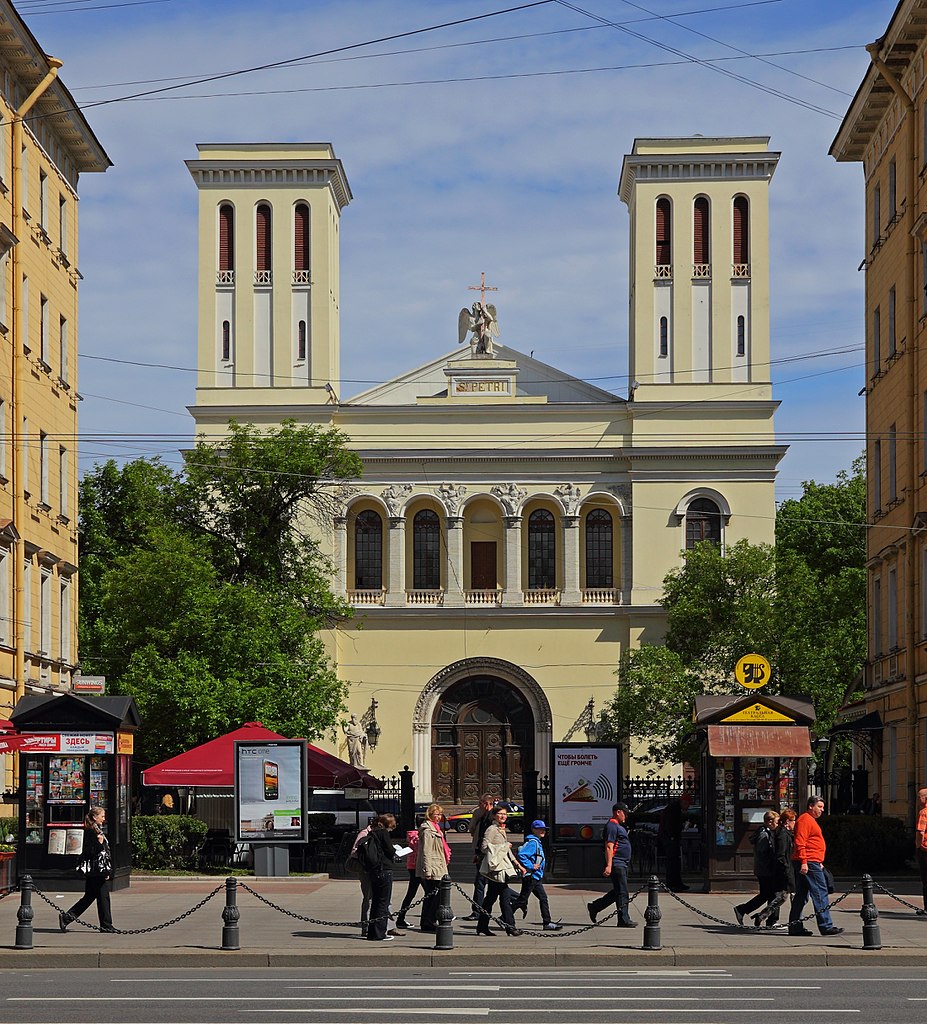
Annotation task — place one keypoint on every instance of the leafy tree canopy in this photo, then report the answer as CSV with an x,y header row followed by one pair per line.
x,y
802,604
202,591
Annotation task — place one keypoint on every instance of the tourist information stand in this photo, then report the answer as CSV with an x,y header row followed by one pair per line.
x,y
754,759
78,755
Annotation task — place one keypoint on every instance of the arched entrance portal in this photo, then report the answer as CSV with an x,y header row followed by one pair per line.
x,y
482,739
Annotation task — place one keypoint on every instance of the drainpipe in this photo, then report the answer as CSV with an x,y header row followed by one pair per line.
x,y
910,620
19,448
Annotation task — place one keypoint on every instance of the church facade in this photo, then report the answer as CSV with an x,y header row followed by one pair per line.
x,y
510,535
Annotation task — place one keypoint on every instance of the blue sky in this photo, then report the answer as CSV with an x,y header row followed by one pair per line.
x,y
513,172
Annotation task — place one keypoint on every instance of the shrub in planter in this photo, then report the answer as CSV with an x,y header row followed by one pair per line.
x,y
859,843
166,841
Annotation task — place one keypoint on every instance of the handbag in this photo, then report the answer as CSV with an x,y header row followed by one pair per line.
x,y
83,867
829,881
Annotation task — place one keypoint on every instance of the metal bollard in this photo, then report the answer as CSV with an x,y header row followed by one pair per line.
x,y
25,914
230,915
872,935
653,915
444,935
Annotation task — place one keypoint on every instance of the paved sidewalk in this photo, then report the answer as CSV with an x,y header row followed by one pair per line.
x,y
270,938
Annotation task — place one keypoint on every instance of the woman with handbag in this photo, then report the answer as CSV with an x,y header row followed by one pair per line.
x,y
96,863
434,855
498,867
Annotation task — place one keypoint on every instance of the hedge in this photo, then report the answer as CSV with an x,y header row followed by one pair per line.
x,y
858,843
167,841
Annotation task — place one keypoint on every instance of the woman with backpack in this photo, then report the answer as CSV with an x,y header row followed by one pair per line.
x,y
377,855
764,866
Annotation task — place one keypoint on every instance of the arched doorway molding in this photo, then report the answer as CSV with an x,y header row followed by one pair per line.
x,y
440,683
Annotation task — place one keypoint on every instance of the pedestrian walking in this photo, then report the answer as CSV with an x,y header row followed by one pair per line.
x,y
414,880
617,862
533,859
434,855
764,867
498,866
808,857
96,862
479,822
784,881
920,844
380,856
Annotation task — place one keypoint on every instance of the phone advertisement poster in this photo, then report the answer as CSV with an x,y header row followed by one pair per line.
x,y
271,794
584,788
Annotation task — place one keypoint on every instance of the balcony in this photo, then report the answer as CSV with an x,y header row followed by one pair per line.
x,y
483,597
663,270
701,270
263,277
366,597
425,598
601,595
225,277
547,596
301,277
740,270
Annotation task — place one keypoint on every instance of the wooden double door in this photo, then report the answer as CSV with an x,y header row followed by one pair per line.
x,y
482,739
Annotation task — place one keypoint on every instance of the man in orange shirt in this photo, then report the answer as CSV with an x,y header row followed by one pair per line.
x,y
808,854
920,844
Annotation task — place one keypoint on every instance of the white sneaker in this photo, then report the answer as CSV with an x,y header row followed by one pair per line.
x,y
388,938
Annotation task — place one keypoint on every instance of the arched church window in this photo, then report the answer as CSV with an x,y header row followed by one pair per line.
x,y
426,551
599,549
701,232
664,242
542,551
368,551
226,238
263,238
741,230
301,237
703,522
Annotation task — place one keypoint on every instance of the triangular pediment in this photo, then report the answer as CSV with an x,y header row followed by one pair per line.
x,y
535,379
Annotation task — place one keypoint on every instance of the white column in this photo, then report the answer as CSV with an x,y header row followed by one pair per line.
x,y
341,552
571,556
396,595
512,595
453,597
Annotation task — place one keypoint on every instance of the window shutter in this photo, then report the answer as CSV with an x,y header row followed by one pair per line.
x,y
226,238
741,230
700,232
664,224
301,235
263,237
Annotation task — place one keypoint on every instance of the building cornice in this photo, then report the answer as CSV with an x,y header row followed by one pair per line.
x,y
672,168
308,172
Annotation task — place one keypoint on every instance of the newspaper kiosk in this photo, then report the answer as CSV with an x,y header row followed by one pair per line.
x,y
78,755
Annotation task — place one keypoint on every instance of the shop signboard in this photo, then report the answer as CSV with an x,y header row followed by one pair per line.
x,y
271,794
583,789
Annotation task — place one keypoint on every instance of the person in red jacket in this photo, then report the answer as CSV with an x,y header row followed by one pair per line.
x,y
808,856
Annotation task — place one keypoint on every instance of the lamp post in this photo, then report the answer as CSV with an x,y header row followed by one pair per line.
x,y
370,724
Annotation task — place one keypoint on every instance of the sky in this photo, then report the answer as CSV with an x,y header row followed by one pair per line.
x,y
493,146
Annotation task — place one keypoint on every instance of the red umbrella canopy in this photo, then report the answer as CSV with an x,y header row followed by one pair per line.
x,y
213,763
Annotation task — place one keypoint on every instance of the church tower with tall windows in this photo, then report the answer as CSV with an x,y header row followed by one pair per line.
x,y
699,266
269,218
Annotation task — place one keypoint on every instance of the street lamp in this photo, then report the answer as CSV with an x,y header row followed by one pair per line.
x,y
370,724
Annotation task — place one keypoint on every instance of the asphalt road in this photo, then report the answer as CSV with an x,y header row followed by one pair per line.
x,y
659,996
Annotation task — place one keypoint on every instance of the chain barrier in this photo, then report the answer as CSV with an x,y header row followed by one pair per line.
x,y
313,920
130,931
898,899
6,892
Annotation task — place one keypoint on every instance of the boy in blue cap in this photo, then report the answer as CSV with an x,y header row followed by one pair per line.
x,y
531,855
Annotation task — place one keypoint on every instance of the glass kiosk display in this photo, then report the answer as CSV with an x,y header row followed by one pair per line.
x,y
79,756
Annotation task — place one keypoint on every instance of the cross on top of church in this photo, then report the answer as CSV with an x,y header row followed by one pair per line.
x,y
482,288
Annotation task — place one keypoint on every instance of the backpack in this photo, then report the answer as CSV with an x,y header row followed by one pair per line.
x,y
366,857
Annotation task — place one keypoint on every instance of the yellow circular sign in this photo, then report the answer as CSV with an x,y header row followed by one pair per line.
x,y
752,671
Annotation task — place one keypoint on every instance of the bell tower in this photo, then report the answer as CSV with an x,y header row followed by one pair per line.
x,y
268,326
699,265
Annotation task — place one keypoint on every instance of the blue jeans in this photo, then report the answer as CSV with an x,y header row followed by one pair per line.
x,y
814,885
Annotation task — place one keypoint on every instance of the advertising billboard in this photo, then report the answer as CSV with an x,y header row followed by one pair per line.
x,y
271,794
584,785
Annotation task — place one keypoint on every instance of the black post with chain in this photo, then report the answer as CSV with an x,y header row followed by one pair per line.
x,y
230,915
25,914
653,915
872,934
444,936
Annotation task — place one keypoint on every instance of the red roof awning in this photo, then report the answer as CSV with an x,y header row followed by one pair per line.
x,y
212,764
759,741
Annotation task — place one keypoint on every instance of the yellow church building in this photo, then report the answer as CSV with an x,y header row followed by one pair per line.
x,y
513,526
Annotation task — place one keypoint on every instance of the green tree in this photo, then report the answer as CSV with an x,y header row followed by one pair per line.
x,y
802,604
207,590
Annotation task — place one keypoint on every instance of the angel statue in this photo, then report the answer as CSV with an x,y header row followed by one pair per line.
x,y
483,323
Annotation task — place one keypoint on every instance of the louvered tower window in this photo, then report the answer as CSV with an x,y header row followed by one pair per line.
x,y
741,230
263,243
301,238
226,239
701,225
664,244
